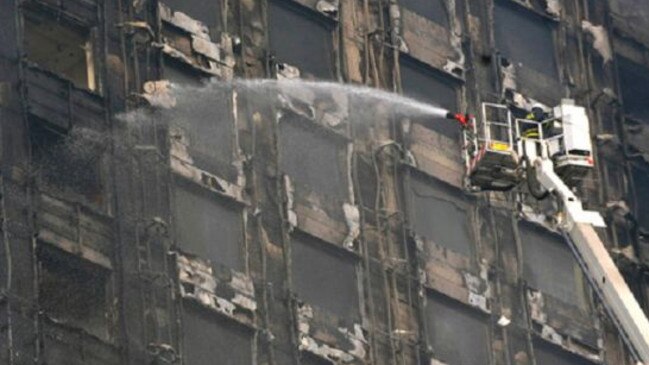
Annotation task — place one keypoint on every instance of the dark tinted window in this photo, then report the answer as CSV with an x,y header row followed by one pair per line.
x,y
635,93
301,39
425,84
548,354
439,215
207,12
209,228
68,161
641,186
457,334
208,339
430,9
72,291
549,265
312,158
525,38
323,277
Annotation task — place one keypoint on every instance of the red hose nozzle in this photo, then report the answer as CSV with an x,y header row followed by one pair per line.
x,y
463,119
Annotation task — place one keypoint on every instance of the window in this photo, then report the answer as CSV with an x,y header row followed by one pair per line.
x,y
323,277
457,335
180,74
438,213
208,13
525,39
208,227
430,9
549,265
73,291
313,160
546,353
209,339
302,40
61,48
67,161
633,86
206,120
641,189
423,83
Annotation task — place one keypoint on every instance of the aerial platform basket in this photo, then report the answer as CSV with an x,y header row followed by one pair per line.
x,y
490,150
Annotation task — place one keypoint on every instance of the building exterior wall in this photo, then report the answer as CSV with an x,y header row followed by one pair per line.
x,y
195,217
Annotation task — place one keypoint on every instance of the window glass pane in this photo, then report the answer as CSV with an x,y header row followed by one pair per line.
x,y
60,48
430,9
323,277
207,12
424,84
633,84
548,354
209,228
209,340
439,215
525,38
299,39
549,265
457,335
312,159
72,291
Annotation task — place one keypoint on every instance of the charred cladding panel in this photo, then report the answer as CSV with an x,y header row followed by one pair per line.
x,y
434,10
301,39
439,214
208,227
427,85
525,38
635,94
209,339
457,335
549,265
323,277
312,158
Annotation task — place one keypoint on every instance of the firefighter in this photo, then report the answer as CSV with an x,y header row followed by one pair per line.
x,y
531,130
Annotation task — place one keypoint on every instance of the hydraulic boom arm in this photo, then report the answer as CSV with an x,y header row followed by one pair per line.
x,y
577,224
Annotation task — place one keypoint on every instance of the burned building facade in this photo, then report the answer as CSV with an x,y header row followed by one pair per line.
x,y
315,231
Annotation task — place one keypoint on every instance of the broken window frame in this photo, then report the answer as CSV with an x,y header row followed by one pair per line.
x,y
300,9
330,249
69,22
44,249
